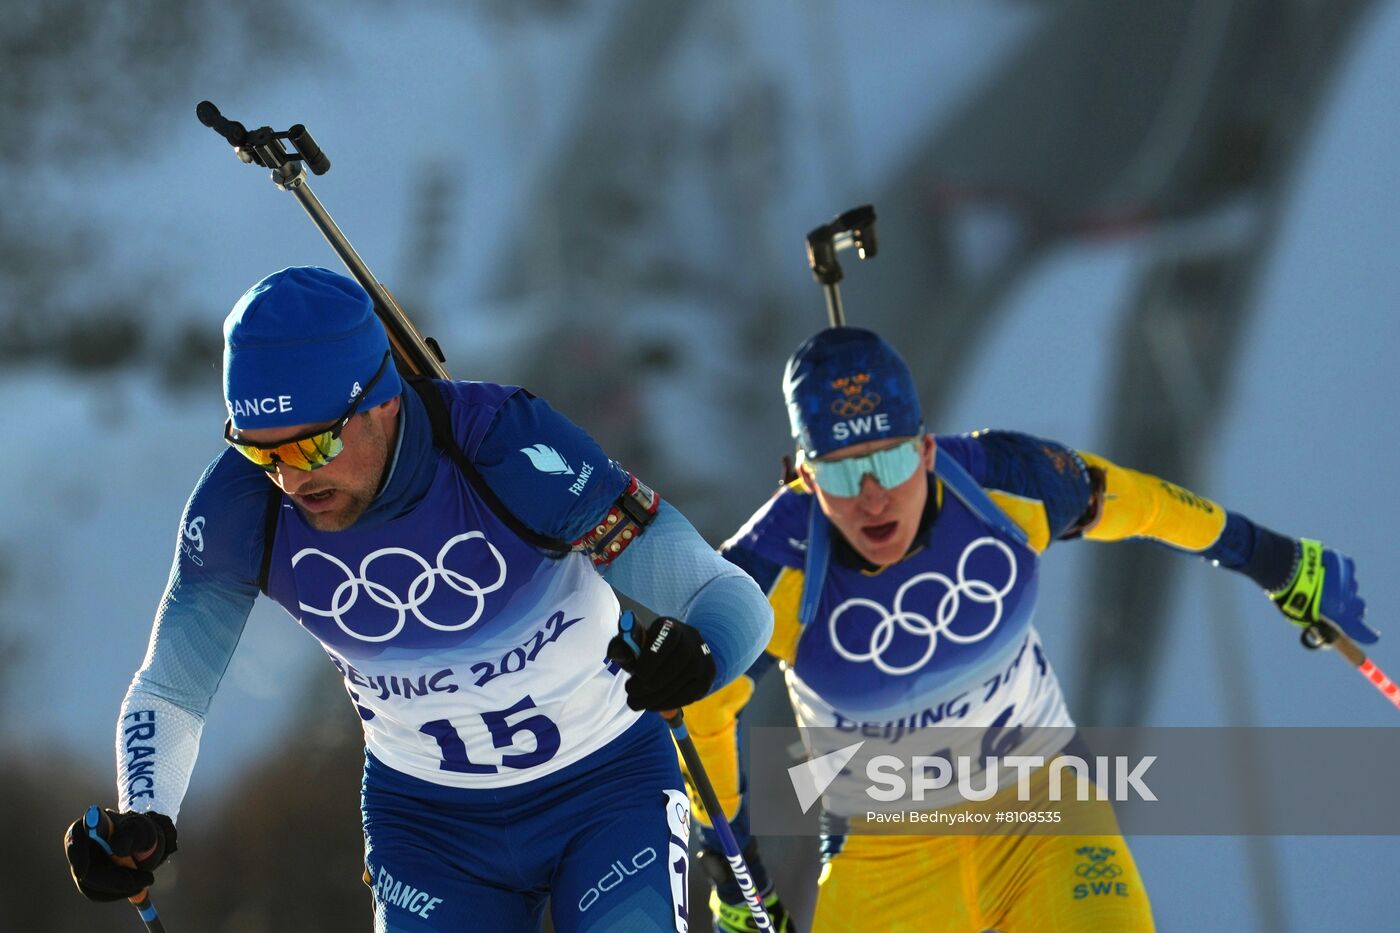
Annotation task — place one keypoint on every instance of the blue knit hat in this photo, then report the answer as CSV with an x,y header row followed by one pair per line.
x,y
846,386
298,347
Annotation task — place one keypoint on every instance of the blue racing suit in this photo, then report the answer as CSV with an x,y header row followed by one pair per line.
x,y
503,765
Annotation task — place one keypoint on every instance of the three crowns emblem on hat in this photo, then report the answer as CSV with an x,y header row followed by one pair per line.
x,y
853,398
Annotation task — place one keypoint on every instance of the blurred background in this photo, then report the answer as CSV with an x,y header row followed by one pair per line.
x,y
1163,232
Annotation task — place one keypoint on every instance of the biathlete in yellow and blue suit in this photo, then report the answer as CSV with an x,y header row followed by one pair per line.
x,y
902,570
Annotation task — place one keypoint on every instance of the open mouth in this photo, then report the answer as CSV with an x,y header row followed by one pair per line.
x,y
879,534
316,501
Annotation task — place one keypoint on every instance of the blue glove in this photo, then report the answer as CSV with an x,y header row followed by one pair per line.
x,y
1324,587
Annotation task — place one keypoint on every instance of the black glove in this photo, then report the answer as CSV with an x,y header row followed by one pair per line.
x,y
727,905
673,667
148,839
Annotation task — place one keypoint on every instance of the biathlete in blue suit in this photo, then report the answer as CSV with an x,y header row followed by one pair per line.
x,y
454,547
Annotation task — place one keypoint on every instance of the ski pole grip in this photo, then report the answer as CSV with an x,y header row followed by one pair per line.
x,y
626,646
99,830
99,827
230,130
624,649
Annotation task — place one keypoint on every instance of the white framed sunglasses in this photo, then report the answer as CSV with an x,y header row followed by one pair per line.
x,y
889,467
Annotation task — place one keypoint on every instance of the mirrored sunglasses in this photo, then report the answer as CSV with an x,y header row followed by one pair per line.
x,y
889,467
309,451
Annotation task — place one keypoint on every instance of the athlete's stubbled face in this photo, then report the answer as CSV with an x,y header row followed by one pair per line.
x,y
879,523
334,497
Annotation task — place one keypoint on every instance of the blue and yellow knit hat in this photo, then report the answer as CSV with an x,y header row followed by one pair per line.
x,y
298,346
846,386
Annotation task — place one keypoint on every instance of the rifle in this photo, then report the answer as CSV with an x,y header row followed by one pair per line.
x,y
415,354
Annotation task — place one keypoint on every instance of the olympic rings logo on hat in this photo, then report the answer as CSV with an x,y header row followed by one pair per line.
x,y
858,405
914,623
853,399
347,593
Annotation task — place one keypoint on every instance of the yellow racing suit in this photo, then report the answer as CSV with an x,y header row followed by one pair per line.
x,y
997,501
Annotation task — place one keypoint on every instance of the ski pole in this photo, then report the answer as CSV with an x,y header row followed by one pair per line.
x,y
625,650
99,827
418,355
854,228
1326,635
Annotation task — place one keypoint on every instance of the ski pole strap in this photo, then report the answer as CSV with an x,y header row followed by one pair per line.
x,y
97,825
627,630
1301,597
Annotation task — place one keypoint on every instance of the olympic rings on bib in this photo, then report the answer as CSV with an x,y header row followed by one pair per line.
x,y
915,623
347,593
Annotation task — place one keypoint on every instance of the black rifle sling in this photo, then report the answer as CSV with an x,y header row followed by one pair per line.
x,y
431,394
271,514
441,422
